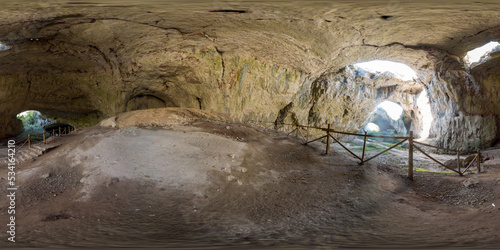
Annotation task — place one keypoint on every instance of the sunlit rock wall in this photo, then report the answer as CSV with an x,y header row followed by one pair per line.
x,y
462,115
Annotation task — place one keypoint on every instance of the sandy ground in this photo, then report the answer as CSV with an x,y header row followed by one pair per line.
x,y
215,184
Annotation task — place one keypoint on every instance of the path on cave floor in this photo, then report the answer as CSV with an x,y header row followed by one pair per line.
x,y
239,185
436,209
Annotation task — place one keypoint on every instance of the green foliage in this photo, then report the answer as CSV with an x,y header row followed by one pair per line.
x,y
30,121
33,122
390,144
372,147
429,171
388,132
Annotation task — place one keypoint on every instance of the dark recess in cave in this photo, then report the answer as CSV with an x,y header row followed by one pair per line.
x,y
145,101
346,112
229,11
283,114
199,102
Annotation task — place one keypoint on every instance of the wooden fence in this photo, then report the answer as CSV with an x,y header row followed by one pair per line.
x,y
412,144
33,137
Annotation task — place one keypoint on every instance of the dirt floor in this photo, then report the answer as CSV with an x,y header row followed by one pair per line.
x,y
211,184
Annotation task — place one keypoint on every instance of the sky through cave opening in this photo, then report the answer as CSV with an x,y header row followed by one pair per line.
x,y
398,70
394,122
386,120
481,54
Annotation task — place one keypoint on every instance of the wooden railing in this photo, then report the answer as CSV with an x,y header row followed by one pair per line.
x,y
412,144
32,137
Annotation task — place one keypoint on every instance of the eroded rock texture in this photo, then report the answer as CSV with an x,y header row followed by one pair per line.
x,y
276,61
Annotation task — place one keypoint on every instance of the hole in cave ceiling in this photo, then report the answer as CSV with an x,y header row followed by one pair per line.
x,y
393,109
481,54
398,70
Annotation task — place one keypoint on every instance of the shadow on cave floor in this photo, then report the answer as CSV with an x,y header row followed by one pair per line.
x,y
223,185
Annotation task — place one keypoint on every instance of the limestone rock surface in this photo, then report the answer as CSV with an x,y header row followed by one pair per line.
x,y
83,62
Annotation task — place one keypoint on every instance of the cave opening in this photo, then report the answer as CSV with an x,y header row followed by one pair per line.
x,y
387,120
3,47
390,68
424,107
482,54
34,122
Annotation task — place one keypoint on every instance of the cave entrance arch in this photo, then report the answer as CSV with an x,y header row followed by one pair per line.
x,y
482,54
33,122
387,119
389,68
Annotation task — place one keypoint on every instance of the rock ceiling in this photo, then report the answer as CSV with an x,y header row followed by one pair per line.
x,y
87,60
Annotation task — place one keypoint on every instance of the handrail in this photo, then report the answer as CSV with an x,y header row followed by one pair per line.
x,y
436,147
372,136
26,140
409,138
44,140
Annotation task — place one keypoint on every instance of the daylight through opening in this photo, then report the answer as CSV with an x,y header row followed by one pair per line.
x,y
425,109
33,122
398,70
482,54
3,47
386,120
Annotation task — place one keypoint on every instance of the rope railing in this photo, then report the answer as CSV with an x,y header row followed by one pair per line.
x,y
30,138
25,141
412,144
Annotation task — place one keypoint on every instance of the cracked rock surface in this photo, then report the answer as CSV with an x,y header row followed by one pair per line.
x,y
86,61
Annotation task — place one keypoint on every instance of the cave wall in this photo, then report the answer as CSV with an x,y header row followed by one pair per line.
x,y
488,76
275,62
247,88
463,118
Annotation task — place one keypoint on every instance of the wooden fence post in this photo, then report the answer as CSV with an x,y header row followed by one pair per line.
x,y
478,160
29,140
59,131
364,150
410,157
44,137
328,139
53,132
